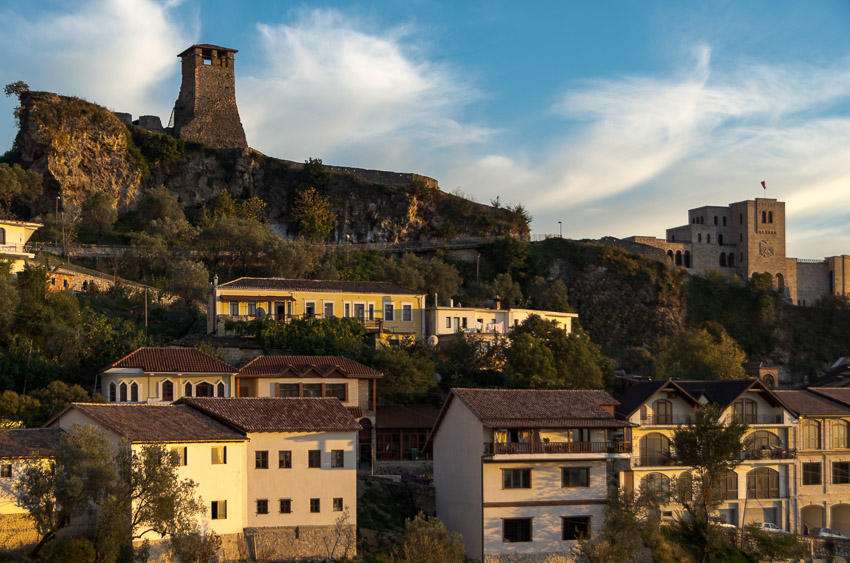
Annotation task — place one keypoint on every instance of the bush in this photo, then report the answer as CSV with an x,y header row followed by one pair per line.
x,y
78,550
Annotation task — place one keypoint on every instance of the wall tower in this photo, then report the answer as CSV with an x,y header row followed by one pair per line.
x,y
205,110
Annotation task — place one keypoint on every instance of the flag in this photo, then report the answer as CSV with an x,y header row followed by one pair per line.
x,y
764,185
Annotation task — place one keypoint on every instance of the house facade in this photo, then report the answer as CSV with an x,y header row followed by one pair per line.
x,y
276,473
525,473
14,235
163,375
387,310
760,488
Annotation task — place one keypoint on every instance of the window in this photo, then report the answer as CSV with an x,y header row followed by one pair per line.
x,y
204,390
764,216
167,391
287,390
220,389
309,309
811,474
262,506
123,392
286,506
329,310
840,472
811,435
708,238
715,219
261,459
763,482
187,389
448,322
762,440
407,313
337,458
371,311
113,392
516,530
338,504
252,308
234,309
314,458
182,454
335,390
770,216
218,510
219,455
657,482
284,459
699,237
311,390
6,471
724,221
516,478
389,312
315,505
729,486
575,477
839,434
746,411
575,527
655,449
663,411
346,310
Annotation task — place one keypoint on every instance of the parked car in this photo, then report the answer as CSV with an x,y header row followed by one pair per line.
x,y
721,522
828,533
770,527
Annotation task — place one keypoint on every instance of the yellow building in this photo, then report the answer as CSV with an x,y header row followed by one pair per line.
x,y
388,310
163,375
760,488
14,236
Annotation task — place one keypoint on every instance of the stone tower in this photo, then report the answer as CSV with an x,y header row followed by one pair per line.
x,y
206,110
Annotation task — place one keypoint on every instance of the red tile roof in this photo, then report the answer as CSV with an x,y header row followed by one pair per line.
x,y
272,414
167,360
157,423
29,442
306,366
332,286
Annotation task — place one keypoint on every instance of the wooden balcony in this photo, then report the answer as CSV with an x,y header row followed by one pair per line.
x,y
509,448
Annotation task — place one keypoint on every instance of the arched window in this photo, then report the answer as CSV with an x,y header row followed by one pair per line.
x,y
113,392
731,260
656,482
2,235
670,256
729,485
723,259
204,390
761,440
764,216
720,240
811,435
134,392
187,390
122,392
763,482
708,239
746,411
678,257
220,387
654,449
663,411
770,216
699,237
839,434
167,391
687,259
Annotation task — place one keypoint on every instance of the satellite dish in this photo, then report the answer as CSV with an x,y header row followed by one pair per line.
x,y
433,340
261,312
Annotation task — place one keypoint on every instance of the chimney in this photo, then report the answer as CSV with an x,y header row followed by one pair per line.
x,y
450,302
497,302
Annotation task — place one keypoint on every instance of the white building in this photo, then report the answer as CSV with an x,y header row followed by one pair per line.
x,y
525,472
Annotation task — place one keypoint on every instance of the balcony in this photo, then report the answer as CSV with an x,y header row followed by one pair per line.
x,y
666,419
654,461
759,418
372,325
509,448
769,453
13,249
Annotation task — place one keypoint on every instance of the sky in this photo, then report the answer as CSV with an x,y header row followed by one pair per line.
x,y
604,118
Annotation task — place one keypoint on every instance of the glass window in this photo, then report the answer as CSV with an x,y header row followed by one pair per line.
x,y
167,391
658,482
516,530
762,440
262,506
113,392
516,478
182,454
123,391
335,390
187,389
338,504
218,510
314,458
252,308
6,471
663,411
311,390
285,506
284,459
389,312
729,485
841,472
655,450
287,390
315,505
839,434
575,477
575,527
811,435
234,309
218,455
329,310
407,313
811,474
261,459
204,390
448,322
337,458
746,411
220,389
763,482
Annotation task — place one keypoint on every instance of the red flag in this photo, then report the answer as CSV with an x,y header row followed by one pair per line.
x,y
763,185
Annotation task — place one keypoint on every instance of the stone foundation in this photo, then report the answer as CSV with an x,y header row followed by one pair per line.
x,y
530,558
298,542
394,467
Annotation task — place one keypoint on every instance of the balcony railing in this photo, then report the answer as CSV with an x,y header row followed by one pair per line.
x,y
666,419
12,249
491,448
402,456
655,461
374,324
769,453
758,418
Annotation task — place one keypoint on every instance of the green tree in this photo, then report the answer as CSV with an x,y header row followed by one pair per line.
x,y
8,304
314,175
771,546
236,240
548,295
427,540
161,214
16,88
98,215
314,213
407,370
225,204
18,410
56,396
710,447
191,282
336,336
18,186
704,353
441,278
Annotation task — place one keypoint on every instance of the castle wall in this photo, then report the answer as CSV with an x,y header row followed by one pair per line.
x,y
839,267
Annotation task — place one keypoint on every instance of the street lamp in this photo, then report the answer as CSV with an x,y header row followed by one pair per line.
x,y
560,230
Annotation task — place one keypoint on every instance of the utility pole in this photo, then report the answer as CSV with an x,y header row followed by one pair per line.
x,y
560,230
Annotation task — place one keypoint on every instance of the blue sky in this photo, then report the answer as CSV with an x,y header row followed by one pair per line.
x,y
611,117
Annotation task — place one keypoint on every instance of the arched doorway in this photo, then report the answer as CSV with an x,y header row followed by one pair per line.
x,y
840,518
670,256
365,441
687,259
678,257
811,516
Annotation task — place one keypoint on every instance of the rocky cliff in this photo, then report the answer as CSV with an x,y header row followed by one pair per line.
x,y
81,148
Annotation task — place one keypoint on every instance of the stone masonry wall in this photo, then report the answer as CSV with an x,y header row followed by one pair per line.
x,y
812,281
293,542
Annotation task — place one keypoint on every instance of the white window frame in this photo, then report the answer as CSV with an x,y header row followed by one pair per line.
x,y
370,312
449,322
403,305
389,305
346,309
308,303
230,308
325,305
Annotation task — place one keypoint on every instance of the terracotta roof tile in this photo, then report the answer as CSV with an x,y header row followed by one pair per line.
x,y
29,442
184,360
811,403
272,414
158,423
307,366
334,286
409,416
